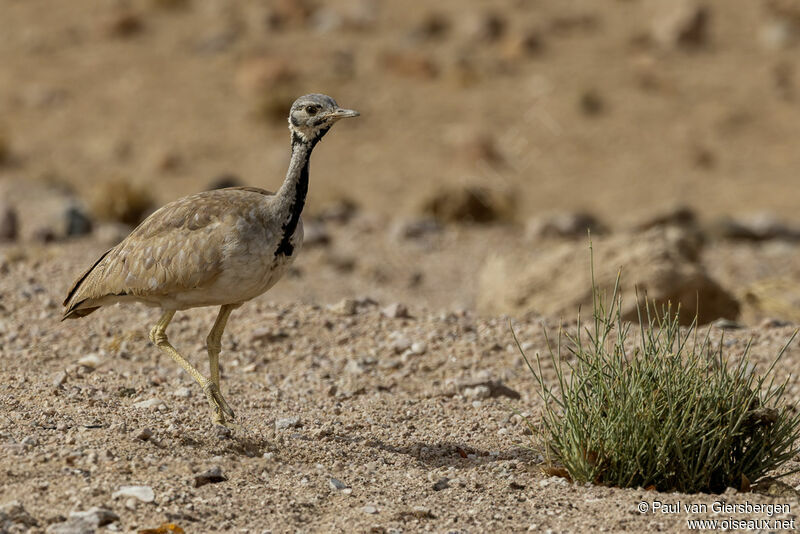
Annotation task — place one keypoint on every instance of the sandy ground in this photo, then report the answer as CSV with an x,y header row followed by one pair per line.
x,y
366,422
390,407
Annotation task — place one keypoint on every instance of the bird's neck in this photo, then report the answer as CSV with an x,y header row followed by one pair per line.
x,y
292,194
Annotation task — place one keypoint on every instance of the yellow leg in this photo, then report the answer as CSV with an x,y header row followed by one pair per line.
x,y
158,335
214,341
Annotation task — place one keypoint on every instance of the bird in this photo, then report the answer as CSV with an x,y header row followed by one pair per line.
x,y
214,248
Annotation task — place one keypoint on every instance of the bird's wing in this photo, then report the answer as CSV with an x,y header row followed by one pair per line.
x,y
177,248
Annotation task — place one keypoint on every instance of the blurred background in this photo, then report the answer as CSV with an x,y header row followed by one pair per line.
x,y
492,135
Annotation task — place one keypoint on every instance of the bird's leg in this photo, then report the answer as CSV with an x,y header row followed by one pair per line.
x,y
158,335
214,343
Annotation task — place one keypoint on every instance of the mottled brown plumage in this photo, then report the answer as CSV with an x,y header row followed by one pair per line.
x,y
215,248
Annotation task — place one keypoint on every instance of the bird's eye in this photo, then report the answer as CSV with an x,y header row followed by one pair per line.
x,y
312,110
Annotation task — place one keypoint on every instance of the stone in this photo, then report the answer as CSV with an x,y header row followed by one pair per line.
x,y
142,493
77,221
369,509
212,476
442,483
556,281
344,307
97,517
756,227
121,201
681,24
72,526
415,228
9,223
90,361
396,311
564,225
149,404
470,204
13,512
287,422
144,434
336,484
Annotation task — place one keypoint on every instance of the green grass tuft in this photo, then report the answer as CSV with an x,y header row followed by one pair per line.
x,y
666,411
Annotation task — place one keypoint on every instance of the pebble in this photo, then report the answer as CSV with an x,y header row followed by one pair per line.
x,y
152,404
144,434
336,484
287,422
344,307
396,311
441,484
59,378
182,393
477,392
95,516
369,509
9,225
90,361
14,511
401,344
212,476
72,526
418,348
143,493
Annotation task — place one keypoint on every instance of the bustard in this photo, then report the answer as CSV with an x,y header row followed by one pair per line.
x,y
215,248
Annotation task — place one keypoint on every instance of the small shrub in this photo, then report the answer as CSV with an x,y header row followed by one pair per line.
x,y
666,412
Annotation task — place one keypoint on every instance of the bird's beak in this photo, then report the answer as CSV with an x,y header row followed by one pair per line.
x,y
343,113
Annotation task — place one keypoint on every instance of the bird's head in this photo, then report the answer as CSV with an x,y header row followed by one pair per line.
x,y
312,116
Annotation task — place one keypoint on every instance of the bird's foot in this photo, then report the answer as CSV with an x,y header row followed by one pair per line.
x,y
222,412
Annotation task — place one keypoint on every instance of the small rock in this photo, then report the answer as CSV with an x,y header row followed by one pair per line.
x,y
757,227
90,361
591,103
97,517
77,222
487,27
72,526
418,348
341,211
396,311
212,476
287,422
121,201
470,203
14,512
336,484
124,25
144,434
182,393
142,493
59,378
9,223
442,483
487,389
477,392
344,307
416,228
682,24
564,225
369,509
401,344
151,404
727,324
772,322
